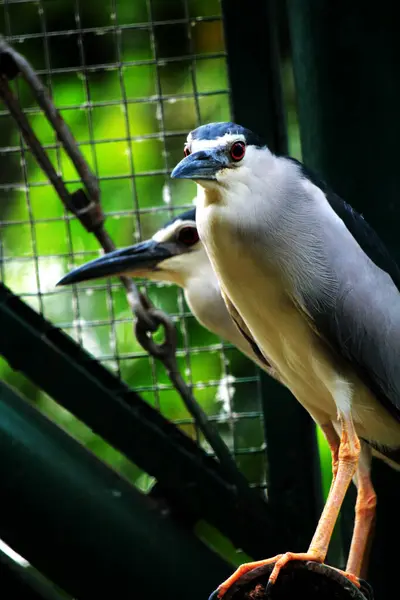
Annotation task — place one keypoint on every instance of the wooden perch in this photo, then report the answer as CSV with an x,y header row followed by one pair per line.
x,y
297,580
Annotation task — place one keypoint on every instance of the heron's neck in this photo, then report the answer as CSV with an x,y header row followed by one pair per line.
x,y
207,194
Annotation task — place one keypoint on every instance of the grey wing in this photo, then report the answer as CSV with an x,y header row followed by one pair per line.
x,y
364,325
363,328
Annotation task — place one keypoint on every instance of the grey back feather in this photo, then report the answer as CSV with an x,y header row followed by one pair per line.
x,y
363,324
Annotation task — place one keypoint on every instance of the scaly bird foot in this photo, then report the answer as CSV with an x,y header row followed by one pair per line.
x,y
280,561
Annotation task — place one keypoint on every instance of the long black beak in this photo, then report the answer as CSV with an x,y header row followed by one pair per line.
x,y
144,256
201,165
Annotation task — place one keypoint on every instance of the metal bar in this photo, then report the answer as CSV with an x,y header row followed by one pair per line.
x,y
17,581
251,39
294,481
134,63
110,28
57,364
134,138
346,59
83,525
31,110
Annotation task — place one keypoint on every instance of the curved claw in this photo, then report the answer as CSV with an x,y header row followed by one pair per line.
x,y
353,578
245,568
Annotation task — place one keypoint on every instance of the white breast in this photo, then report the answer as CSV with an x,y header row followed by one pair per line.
x,y
259,292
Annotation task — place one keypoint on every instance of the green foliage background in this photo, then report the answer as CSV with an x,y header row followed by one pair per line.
x,y
117,116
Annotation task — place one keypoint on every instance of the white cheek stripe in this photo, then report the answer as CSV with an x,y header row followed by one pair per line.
x,y
165,234
225,140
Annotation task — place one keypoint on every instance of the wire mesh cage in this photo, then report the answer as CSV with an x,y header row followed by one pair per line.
x,y
130,79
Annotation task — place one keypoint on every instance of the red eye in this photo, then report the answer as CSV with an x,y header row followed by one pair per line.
x,y
238,150
186,151
188,236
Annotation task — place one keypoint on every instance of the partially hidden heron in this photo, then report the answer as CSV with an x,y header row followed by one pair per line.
x,y
176,255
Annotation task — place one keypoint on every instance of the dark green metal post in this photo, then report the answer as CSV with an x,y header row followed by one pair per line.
x,y
346,59
252,45
17,581
83,526
294,482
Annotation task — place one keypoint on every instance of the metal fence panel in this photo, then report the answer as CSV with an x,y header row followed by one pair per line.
x,y
346,57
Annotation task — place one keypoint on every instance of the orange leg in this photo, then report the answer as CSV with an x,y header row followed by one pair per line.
x,y
348,455
365,506
364,519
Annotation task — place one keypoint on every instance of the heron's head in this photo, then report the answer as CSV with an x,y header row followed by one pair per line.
x,y
174,254
218,155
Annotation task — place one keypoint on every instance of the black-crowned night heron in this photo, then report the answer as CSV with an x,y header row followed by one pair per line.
x,y
176,255
318,292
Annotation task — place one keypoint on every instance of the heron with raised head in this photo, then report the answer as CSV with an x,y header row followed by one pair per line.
x,y
317,292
